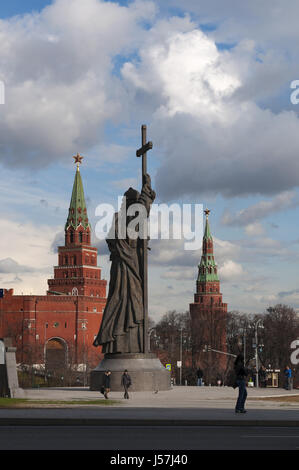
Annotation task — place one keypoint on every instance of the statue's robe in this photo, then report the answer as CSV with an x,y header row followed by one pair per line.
x,y
121,330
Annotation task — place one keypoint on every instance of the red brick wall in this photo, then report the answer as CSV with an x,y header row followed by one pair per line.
x,y
33,320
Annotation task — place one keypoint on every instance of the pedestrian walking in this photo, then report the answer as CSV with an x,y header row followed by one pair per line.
x,y
253,375
126,383
199,374
106,383
262,377
241,374
288,378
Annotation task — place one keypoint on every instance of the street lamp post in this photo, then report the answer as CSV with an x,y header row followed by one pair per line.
x,y
84,356
244,345
256,360
45,341
256,351
181,356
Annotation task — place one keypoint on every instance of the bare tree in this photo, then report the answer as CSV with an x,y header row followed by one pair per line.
x,y
234,333
281,328
173,341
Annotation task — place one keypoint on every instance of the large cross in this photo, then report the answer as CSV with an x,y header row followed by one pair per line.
x,y
145,146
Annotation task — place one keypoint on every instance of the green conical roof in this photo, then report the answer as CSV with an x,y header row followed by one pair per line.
x,y
207,234
77,211
207,269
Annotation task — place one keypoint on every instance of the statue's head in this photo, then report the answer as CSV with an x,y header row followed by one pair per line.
x,y
132,196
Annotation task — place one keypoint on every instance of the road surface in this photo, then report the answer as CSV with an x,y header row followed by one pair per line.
x,y
148,438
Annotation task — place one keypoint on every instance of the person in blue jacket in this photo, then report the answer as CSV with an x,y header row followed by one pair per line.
x,y
288,378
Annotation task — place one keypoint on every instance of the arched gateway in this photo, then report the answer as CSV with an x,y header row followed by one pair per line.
x,y
56,354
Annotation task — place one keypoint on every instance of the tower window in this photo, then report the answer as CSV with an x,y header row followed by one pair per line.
x,y
80,237
75,291
72,237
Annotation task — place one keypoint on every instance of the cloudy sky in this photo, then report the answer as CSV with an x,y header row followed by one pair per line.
x,y
212,81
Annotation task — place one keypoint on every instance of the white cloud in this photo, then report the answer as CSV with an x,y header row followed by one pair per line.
x,y
268,22
201,102
57,68
252,214
9,265
180,274
189,74
267,299
230,270
225,249
25,250
255,229
214,138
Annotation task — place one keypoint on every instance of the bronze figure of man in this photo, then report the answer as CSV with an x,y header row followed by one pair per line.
x,y
122,327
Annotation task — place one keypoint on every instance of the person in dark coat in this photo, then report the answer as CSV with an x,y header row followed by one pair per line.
x,y
126,382
106,383
241,374
199,374
262,377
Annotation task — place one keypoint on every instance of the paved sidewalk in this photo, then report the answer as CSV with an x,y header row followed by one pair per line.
x,y
189,406
177,397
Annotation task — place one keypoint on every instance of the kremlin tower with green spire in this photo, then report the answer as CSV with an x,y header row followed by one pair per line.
x,y
55,332
77,272
208,312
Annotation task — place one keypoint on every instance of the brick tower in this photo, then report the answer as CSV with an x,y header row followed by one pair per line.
x,y
54,333
208,313
77,272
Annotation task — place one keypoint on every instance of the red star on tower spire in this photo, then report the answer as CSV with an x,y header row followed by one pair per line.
x,y
207,212
78,159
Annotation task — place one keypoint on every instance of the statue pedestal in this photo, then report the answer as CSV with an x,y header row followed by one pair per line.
x,y
146,371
